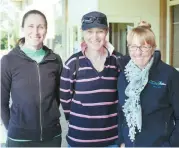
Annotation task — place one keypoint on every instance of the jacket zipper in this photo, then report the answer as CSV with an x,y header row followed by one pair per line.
x,y
41,130
133,143
166,127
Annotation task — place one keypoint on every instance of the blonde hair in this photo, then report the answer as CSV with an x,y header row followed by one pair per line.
x,y
143,33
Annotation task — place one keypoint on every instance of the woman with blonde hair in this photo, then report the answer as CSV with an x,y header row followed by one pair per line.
x,y
148,96
89,87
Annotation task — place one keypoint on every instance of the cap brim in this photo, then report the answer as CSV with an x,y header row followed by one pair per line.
x,y
93,25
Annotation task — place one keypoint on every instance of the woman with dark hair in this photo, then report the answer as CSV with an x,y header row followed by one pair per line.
x,y
30,73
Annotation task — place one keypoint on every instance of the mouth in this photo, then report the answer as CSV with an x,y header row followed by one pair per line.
x,y
95,42
35,38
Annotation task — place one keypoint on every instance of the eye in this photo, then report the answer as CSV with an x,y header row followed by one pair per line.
x,y
89,31
30,26
133,46
101,31
41,27
144,47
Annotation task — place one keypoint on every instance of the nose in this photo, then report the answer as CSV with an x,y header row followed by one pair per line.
x,y
35,30
138,51
94,35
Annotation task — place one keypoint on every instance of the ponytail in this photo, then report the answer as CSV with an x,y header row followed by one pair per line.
x,y
21,41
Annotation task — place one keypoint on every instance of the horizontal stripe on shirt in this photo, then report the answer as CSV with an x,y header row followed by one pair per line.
x,y
89,79
89,104
93,117
96,91
92,129
95,104
71,60
95,140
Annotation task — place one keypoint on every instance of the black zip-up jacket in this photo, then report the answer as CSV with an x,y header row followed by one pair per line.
x,y
159,101
34,88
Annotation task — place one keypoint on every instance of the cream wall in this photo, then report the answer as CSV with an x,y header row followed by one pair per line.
x,y
134,10
77,8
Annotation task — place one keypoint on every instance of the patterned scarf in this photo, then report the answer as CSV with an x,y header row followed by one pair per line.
x,y
137,79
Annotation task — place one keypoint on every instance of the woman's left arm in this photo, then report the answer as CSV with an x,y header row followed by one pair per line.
x,y
60,67
174,96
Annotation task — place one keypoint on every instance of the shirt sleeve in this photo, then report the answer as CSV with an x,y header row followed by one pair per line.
x,y
67,89
174,96
6,80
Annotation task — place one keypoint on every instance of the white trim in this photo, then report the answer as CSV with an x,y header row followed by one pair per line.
x,y
169,4
117,19
176,23
173,2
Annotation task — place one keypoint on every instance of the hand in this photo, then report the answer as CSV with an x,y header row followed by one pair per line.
x,y
122,145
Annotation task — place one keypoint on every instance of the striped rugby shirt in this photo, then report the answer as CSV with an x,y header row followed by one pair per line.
x,y
92,110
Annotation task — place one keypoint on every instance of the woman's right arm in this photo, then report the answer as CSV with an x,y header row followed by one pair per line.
x,y
6,80
66,89
120,126
120,111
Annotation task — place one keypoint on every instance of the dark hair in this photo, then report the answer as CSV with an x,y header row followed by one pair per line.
x,y
22,40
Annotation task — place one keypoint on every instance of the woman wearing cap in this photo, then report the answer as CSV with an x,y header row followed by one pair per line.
x,y
149,95
89,87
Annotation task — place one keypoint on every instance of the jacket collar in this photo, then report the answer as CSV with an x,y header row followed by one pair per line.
x,y
49,53
157,59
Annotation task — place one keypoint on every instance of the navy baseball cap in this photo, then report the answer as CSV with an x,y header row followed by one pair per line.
x,y
94,19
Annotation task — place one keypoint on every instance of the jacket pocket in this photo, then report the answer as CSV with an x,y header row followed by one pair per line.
x,y
15,115
52,115
166,144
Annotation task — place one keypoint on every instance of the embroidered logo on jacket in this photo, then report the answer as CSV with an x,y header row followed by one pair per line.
x,y
157,84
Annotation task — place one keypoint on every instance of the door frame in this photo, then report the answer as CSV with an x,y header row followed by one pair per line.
x,y
170,31
117,19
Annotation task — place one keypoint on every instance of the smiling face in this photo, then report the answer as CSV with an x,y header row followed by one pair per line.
x,y
140,54
141,43
95,38
35,29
